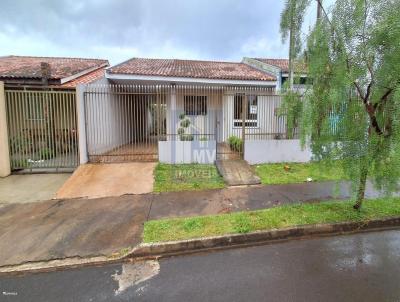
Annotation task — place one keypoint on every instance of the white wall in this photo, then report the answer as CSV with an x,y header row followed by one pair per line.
x,y
187,152
275,151
107,121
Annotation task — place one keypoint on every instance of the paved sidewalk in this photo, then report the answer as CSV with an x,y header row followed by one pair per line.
x,y
25,188
57,229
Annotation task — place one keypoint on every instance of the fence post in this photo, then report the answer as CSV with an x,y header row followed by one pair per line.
x,y
80,111
5,167
244,118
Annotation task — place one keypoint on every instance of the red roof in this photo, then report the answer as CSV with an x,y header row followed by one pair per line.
x,y
190,69
30,67
85,79
283,64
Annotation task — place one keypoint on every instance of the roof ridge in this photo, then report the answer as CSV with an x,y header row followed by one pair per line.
x,y
179,60
47,57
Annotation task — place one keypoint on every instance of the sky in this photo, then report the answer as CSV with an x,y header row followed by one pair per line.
x,y
117,30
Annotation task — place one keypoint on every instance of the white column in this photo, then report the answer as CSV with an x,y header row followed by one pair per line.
x,y
5,167
80,108
173,114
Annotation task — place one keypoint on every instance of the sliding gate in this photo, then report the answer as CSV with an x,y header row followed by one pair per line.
x,y
124,122
42,129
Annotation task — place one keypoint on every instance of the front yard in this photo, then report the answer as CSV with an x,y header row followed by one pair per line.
x,y
186,177
285,173
273,218
174,178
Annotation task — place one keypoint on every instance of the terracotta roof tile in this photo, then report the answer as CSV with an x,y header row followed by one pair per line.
x,y
190,69
85,79
29,67
283,64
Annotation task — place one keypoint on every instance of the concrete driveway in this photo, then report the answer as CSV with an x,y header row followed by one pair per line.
x,y
105,180
30,188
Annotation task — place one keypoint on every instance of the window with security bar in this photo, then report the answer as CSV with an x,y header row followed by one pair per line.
x,y
252,110
195,105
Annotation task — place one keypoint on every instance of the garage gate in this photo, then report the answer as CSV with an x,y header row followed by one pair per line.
x,y
124,123
42,129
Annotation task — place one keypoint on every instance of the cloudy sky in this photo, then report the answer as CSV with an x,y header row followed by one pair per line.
x,y
120,29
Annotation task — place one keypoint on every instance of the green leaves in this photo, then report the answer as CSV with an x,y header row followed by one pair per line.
x,y
353,60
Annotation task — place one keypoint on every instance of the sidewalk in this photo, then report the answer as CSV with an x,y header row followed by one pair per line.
x,y
57,229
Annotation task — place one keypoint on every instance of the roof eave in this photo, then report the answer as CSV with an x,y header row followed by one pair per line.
x,y
133,77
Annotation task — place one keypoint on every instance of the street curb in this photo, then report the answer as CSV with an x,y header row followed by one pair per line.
x,y
173,248
159,250
57,264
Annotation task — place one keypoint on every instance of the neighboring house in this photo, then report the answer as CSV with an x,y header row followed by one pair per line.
x,y
185,111
280,69
50,71
41,108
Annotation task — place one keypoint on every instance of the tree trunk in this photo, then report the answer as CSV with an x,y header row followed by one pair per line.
x,y
291,46
361,187
319,10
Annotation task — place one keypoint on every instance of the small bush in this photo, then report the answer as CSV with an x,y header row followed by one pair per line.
x,y
185,123
187,137
181,131
46,153
182,116
235,143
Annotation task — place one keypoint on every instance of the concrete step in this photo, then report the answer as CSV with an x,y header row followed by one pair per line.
x,y
237,172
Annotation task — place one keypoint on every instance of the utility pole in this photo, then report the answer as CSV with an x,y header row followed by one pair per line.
x,y
291,46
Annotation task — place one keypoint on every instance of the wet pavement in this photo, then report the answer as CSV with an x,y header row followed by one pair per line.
x,y
105,180
25,188
57,229
361,267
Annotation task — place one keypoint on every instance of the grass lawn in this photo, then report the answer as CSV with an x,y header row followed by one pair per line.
x,y
273,218
297,172
172,178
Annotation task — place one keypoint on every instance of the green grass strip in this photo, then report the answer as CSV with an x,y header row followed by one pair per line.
x,y
186,177
273,218
298,172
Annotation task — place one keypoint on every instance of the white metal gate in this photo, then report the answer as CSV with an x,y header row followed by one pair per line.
x,y
124,122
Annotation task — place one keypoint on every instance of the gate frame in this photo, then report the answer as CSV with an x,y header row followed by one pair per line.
x,y
71,101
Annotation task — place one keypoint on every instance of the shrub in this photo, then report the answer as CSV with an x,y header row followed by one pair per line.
x,y
182,116
181,131
187,137
46,153
235,143
185,123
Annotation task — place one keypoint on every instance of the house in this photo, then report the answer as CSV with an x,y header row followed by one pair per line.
x,y
50,71
280,69
41,113
182,111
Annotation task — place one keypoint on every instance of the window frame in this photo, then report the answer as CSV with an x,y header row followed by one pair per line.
x,y
253,122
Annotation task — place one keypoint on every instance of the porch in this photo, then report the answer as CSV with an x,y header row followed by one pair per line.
x,y
178,123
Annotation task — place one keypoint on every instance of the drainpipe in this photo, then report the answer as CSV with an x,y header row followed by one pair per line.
x,y
5,165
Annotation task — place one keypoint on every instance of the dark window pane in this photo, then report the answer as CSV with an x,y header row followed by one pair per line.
x,y
195,104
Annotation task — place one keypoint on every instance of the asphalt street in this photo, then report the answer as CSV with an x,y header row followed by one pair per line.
x,y
361,267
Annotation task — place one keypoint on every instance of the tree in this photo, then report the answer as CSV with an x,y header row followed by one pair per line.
x,y
352,113
292,19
